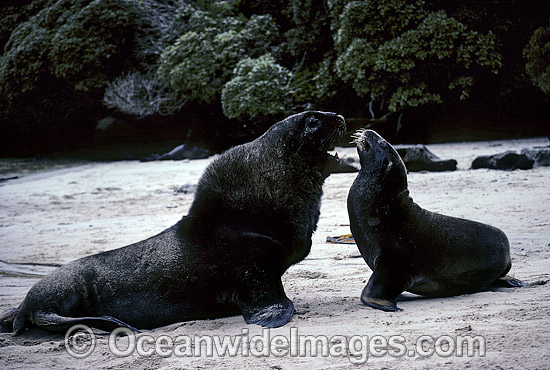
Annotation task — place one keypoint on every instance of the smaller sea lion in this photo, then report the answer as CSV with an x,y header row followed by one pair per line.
x,y
412,249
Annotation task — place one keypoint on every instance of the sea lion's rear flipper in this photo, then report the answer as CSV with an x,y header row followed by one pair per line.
x,y
510,282
6,320
56,323
383,287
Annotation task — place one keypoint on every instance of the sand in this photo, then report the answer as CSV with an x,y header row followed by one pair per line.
x,y
52,217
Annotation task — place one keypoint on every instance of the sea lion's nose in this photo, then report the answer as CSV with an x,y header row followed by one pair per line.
x,y
333,115
338,119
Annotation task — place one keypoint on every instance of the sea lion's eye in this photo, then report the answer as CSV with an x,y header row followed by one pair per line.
x,y
366,145
312,122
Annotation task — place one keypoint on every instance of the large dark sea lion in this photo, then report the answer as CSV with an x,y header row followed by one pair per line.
x,y
412,249
253,215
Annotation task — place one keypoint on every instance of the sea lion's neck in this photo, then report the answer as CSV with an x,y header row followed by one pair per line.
x,y
404,196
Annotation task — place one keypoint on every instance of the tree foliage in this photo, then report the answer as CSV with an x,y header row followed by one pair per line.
x,y
399,53
259,88
537,54
78,46
202,58
65,59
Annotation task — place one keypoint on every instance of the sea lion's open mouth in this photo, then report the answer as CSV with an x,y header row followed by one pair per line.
x,y
337,133
320,132
334,157
331,163
333,160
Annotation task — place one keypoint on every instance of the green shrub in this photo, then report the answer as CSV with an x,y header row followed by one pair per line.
x,y
81,45
259,88
399,53
202,59
537,54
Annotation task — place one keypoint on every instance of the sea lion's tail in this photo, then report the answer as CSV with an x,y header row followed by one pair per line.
x,y
511,282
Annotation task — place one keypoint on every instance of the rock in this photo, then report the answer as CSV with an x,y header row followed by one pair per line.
x,y
507,161
8,178
541,155
104,123
419,158
186,189
150,158
186,151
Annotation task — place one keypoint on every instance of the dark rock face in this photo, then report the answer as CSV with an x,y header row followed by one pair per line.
x,y
506,161
419,158
541,155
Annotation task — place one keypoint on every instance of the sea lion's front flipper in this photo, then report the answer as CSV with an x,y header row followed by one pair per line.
x,y
271,315
261,296
56,323
383,287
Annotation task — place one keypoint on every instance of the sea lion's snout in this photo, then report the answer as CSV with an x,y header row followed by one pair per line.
x,y
333,123
363,145
320,130
375,153
339,122
368,141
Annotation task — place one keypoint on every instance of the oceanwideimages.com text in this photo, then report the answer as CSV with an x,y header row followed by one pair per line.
x,y
80,342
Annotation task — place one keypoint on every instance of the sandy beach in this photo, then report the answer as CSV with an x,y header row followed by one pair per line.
x,y
48,218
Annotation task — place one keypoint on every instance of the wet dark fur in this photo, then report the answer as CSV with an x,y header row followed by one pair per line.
x,y
410,248
253,215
